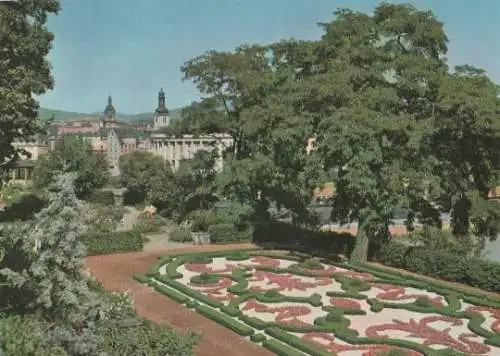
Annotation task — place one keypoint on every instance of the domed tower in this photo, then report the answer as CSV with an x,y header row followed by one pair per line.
x,y
109,111
161,118
112,140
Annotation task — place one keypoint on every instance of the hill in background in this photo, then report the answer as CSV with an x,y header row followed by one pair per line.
x,y
61,115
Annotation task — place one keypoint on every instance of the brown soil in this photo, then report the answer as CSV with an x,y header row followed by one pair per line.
x,y
115,273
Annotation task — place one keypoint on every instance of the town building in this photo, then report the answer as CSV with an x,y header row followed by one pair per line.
x,y
20,171
177,149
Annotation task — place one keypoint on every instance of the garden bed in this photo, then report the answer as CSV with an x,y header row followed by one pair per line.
x,y
287,301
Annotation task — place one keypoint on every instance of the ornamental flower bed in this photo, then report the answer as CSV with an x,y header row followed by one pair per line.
x,y
315,307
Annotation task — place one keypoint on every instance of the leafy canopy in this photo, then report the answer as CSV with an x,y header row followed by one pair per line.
x,y
73,154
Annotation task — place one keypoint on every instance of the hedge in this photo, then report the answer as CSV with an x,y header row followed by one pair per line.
x,y
223,233
105,197
108,242
282,233
294,341
225,320
171,293
280,349
258,338
190,292
181,235
443,264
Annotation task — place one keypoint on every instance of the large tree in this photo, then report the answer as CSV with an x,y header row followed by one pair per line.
x,y
249,95
146,176
24,69
401,128
73,154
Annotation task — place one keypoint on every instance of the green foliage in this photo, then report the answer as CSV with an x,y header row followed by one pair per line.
x,y
200,259
146,177
451,263
181,235
102,242
11,193
224,233
73,154
148,225
25,72
225,320
312,263
280,349
104,197
24,208
52,279
194,188
282,233
205,278
200,220
26,336
148,339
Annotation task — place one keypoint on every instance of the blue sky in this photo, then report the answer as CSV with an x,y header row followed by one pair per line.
x,y
132,48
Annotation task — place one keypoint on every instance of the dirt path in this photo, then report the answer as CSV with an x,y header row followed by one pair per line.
x,y
115,273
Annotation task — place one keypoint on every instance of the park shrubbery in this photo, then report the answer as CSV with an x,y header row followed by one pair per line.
x,y
282,233
151,224
104,197
435,254
24,208
181,235
224,233
107,242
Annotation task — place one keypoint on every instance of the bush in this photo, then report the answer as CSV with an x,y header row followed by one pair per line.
x,y
282,233
26,336
132,197
205,278
201,219
222,233
181,235
447,264
108,242
225,320
24,208
148,225
104,197
148,339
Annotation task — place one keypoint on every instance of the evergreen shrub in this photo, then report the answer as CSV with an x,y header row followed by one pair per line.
x,y
108,242
224,233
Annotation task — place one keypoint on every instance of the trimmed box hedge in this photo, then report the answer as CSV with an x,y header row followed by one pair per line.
x,y
171,293
280,349
190,292
224,233
225,320
109,242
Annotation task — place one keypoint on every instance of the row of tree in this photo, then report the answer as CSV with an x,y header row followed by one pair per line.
x,y
393,124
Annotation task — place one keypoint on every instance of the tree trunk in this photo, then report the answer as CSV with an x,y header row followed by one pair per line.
x,y
360,251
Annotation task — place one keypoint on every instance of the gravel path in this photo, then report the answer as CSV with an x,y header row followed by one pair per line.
x,y
115,273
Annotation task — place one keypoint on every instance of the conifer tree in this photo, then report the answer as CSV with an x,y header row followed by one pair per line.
x,y
57,275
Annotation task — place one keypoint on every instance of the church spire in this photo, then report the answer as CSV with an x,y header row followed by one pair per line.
x,y
161,109
109,111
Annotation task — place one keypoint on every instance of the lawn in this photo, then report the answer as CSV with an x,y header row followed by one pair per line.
x,y
296,304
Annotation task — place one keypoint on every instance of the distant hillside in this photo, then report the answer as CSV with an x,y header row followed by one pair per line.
x,y
61,115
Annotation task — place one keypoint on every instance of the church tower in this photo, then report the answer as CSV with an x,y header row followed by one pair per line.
x,y
161,118
112,140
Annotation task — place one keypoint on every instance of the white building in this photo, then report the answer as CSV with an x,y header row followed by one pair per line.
x,y
176,149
